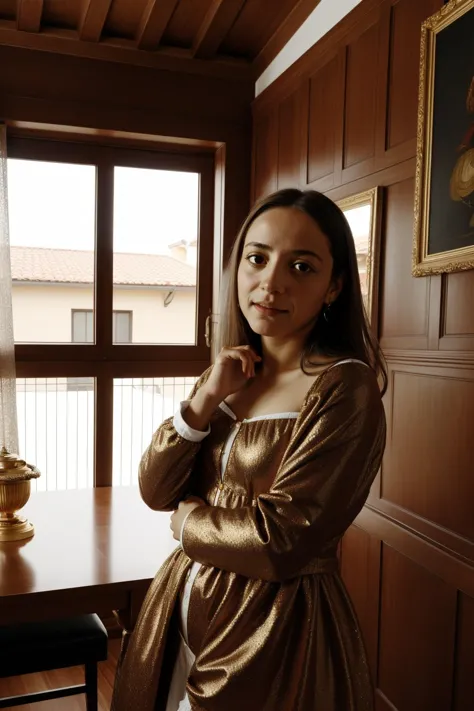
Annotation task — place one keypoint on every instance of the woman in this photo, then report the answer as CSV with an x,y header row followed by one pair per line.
x,y
280,442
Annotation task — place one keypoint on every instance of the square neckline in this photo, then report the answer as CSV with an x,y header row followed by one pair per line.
x,y
286,415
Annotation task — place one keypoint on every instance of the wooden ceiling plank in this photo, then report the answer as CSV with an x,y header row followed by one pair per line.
x,y
28,16
93,20
154,21
216,26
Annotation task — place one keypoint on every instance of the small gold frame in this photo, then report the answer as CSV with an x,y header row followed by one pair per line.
x,y
373,198
423,263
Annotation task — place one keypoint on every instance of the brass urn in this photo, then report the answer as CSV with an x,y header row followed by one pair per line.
x,y
15,484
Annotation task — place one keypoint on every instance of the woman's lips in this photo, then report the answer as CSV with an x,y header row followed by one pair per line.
x,y
268,310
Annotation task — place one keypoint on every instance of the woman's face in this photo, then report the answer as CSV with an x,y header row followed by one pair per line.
x,y
285,273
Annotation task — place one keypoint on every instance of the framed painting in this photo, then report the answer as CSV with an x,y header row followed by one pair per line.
x,y
363,213
444,193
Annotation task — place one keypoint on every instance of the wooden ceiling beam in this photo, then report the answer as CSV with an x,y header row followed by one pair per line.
x,y
154,22
93,19
28,16
216,26
66,42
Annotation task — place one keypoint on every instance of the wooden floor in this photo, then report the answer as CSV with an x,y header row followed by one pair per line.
x,y
64,677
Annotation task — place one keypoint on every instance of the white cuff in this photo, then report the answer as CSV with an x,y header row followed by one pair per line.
x,y
185,704
183,429
182,529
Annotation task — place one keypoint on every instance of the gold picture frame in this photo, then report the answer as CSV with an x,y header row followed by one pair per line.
x,y
443,239
364,214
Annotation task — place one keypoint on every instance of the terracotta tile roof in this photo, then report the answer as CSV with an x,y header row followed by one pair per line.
x,y
69,266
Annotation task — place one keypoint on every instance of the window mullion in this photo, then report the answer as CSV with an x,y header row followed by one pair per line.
x,y
104,256
103,427
103,301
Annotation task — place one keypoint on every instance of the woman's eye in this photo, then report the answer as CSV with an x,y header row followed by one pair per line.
x,y
302,267
256,259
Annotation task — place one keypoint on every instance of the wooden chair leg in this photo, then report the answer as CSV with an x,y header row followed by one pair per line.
x,y
91,687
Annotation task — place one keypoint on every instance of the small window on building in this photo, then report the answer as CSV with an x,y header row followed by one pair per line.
x,y
122,332
82,326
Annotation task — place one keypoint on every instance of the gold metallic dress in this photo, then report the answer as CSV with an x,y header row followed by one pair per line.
x,y
269,620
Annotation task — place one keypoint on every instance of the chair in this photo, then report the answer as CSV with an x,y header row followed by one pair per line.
x,y
43,646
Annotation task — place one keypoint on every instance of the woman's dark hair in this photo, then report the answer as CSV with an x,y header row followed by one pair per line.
x,y
346,332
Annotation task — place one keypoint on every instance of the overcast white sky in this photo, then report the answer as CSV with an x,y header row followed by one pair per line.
x,y
52,205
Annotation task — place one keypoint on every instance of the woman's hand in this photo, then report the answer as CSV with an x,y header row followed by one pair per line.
x,y
232,369
178,516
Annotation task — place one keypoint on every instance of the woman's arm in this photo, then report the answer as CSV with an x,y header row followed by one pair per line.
x,y
167,464
319,489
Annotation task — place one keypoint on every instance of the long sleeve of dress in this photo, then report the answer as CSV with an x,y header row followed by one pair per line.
x,y
320,487
166,465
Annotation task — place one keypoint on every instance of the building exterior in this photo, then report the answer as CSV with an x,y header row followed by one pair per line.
x,y
154,298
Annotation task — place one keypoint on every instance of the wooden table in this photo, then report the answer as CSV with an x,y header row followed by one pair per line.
x,y
94,550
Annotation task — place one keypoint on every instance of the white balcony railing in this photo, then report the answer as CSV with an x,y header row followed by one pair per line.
x,y
56,425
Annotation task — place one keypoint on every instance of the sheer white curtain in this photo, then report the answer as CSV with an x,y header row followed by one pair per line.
x,y
8,416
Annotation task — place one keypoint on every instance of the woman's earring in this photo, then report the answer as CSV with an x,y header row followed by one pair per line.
x,y
327,312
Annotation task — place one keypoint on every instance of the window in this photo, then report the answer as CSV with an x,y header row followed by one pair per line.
x,y
83,327
122,327
112,286
155,254
51,208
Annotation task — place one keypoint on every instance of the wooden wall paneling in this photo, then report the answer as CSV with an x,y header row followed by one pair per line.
x,y
253,164
289,140
266,155
440,360
424,483
334,40
404,302
417,640
464,679
236,184
305,88
219,191
360,571
399,78
455,571
435,312
385,178
322,147
122,92
430,450
457,323
361,106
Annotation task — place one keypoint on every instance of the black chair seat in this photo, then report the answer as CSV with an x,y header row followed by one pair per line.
x,y
42,646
